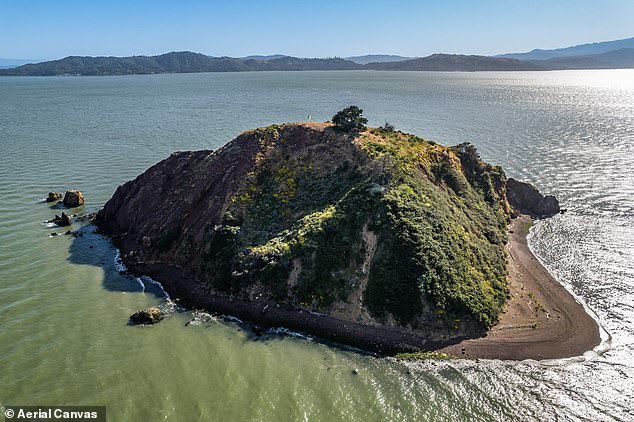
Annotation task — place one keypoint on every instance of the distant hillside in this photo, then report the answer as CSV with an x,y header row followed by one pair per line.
x,y
616,59
294,63
377,58
181,62
188,62
456,62
577,50
175,62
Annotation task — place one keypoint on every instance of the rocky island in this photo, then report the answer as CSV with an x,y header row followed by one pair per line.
x,y
373,238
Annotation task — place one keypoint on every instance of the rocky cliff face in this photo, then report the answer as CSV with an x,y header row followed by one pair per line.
x,y
383,229
525,198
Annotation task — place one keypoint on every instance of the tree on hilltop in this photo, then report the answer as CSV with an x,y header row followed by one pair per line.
x,y
350,119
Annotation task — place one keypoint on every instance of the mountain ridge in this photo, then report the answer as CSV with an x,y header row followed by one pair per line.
x,y
602,55
173,62
456,62
614,59
576,50
190,62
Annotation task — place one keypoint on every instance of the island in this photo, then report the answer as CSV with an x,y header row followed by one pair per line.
x,y
368,237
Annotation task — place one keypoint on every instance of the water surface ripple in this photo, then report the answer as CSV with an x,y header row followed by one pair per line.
x,y
64,337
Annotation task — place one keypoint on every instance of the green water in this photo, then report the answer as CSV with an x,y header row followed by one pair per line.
x,y
64,338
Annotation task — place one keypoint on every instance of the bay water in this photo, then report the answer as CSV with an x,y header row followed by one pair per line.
x,y
64,306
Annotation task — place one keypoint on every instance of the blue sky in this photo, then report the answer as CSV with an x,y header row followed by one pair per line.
x,y
320,28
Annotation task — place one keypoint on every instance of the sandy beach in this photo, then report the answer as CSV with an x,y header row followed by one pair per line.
x,y
542,319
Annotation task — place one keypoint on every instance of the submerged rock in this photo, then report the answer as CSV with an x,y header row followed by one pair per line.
x,y
86,217
62,221
73,198
147,316
527,199
54,196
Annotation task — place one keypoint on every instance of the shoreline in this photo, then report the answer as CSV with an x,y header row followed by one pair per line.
x,y
542,320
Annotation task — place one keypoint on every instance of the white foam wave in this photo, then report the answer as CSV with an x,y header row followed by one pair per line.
x,y
286,332
200,317
149,280
169,307
141,283
118,262
232,319
142,280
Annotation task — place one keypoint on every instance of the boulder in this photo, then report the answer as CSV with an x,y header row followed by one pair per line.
x,y
525,198
62,221
73,198
147,316
54,197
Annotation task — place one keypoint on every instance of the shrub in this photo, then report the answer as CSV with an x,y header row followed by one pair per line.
x,y
350,119
388,127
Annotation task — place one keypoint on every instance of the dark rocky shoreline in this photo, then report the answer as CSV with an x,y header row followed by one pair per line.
x,y
384,341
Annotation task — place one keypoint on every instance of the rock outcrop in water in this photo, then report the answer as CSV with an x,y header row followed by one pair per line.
x,y
54,197
73,198
147,316
63,221
373,234
525,198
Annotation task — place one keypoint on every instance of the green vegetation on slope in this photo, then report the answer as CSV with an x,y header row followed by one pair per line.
x,y
293,231
307,206
443,235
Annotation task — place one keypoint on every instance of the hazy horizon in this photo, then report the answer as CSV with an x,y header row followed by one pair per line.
x,y
47,30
